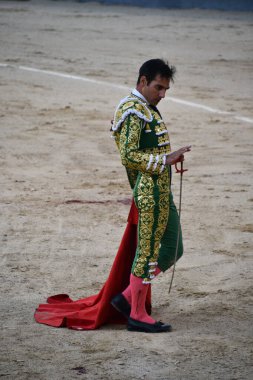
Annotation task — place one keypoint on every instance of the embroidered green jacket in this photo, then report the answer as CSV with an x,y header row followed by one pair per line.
x,y
141,137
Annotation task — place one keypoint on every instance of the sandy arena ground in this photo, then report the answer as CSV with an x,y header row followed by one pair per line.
x,y
56,147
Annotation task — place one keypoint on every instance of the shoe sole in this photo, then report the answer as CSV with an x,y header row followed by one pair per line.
x,y
138,329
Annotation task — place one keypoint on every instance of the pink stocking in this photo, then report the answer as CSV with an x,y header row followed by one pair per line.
x,y
127,291
157,271
139,293
127,294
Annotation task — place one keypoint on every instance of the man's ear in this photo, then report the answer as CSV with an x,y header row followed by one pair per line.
x,y
143,80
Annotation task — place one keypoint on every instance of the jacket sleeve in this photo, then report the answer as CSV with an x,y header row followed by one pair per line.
x,y
131,155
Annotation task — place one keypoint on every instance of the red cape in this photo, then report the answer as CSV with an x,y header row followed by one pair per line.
x,y
94,311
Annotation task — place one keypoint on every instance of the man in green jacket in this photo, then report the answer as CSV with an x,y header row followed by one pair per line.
x,y
143,142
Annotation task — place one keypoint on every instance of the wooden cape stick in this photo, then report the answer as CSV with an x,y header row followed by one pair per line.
x,y
181,170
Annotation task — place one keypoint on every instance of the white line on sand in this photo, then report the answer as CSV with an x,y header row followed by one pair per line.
x,y
95,81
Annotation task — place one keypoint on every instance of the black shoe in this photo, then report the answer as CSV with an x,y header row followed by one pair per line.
x,y
157,327
120,303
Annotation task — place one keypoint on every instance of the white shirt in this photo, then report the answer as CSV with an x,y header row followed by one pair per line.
x,y
139,95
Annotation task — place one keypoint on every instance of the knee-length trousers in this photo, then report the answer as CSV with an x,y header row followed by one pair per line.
x,y
158,226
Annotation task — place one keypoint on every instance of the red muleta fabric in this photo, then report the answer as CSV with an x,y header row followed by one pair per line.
x,y
92,312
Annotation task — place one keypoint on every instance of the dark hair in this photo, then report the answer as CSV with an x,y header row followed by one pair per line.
x,y
150,69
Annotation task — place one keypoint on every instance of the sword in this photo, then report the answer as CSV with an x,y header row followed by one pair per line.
x,y
181,171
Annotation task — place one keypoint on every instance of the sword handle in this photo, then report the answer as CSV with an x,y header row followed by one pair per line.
x,y
181,170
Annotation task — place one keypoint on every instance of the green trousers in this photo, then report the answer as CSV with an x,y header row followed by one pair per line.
x,y
157,227
167,250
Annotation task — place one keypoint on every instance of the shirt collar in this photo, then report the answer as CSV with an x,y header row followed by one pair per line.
x,y
139,95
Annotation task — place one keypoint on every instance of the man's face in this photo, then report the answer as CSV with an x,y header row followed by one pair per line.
x,y
155,90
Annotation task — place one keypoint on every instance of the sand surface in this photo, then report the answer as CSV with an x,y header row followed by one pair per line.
x,y
55,147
